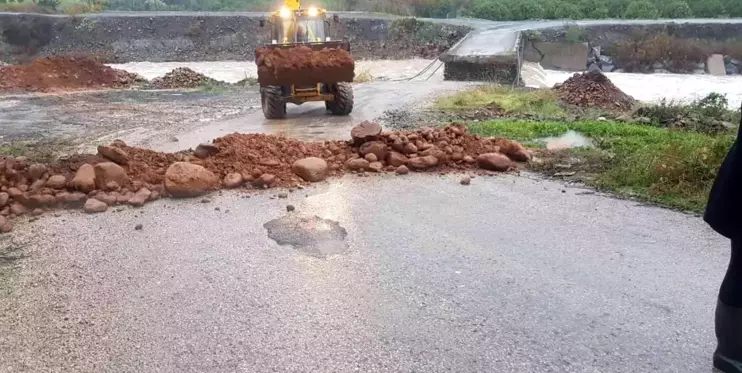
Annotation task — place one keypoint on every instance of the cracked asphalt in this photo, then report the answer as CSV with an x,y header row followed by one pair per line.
x,y
509,274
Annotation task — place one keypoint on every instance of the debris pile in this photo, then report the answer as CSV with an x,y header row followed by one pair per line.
x,y
593,89
303,66
182,77
451,147
63,73
127,79
123,175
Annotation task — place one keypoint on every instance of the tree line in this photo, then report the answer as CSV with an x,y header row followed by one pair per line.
x,y
503,10
499,10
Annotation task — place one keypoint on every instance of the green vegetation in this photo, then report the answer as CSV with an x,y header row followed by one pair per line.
x,y
537,102
594,9
363,77
487,9
680,55
660,165
42,152
71,7
660,161
249,81
708,115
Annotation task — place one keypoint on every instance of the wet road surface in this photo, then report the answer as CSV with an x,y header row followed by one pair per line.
x,y
311,121
509,274
171,121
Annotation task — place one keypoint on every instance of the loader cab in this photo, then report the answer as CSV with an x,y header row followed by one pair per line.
x,y
299,26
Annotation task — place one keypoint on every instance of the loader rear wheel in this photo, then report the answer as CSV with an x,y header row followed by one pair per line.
x,y
274,106
343,103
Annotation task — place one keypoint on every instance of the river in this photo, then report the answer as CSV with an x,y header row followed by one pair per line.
x,y
644,87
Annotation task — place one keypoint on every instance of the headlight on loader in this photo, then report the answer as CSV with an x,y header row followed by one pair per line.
x,y
285,13
313,12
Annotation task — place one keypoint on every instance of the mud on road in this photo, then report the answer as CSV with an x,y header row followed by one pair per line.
x,y
92,117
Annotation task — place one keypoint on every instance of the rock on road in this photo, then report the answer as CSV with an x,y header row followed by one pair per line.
x,y
508,274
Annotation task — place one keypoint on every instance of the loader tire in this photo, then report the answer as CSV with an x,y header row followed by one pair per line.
x,y
343,103
274,106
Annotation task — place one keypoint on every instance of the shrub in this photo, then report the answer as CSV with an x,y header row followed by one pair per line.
x,y
641,9
676,9
527,9
27,7
708,8
49,4
709,114
680,55
713,105
494,10
560,10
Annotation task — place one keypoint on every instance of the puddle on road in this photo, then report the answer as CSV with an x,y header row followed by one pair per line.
x,y
310,235
569,140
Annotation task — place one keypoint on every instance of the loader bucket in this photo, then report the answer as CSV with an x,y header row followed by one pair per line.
x,y
304,64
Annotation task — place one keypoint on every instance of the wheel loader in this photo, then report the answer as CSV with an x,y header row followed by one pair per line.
x,y
294,26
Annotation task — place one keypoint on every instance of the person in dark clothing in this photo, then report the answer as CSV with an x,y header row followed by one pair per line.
x,y
724,215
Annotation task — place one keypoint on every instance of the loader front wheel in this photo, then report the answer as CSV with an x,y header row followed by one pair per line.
x,y
274,106
343,102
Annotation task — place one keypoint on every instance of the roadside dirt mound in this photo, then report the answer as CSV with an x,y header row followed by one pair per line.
x,y
63,73
302,65
122,175
182,77
593,89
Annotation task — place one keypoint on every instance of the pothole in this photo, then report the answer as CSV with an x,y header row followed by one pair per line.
x,y
310,235
569,140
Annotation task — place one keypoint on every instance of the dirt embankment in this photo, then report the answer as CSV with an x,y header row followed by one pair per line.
x,y
198,37
70,73
64,73
124,175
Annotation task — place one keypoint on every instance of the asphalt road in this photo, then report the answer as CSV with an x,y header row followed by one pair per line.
x,y
509,274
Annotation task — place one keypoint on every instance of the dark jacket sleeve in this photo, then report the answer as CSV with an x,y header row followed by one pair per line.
x,y
724,208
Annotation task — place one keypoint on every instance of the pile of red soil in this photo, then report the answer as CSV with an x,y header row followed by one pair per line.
x,y
303,66
63,73
593,89
182,77
124,175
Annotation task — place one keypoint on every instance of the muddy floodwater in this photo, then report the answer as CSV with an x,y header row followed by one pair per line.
x,y
176,120
644,87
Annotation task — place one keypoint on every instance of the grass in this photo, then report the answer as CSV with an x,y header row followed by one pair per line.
x,y
24,7
69,7
42,152
660,165
214,86
671,160
363,77
248,81
542,103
